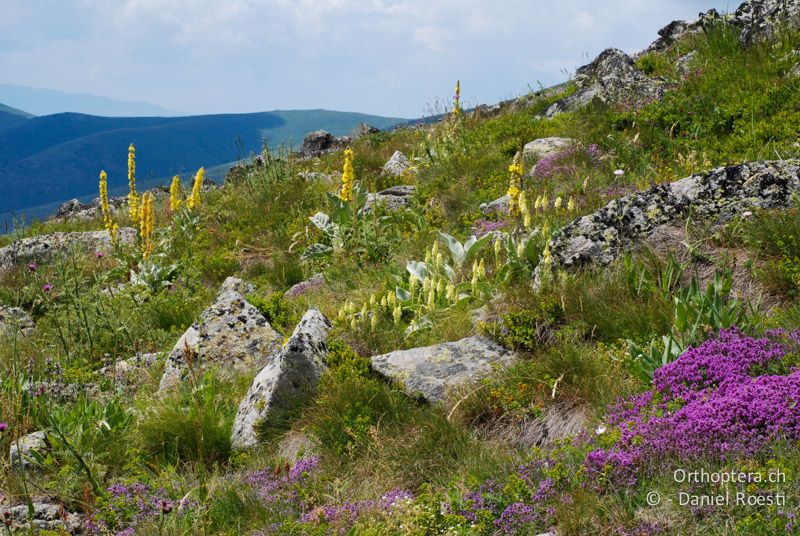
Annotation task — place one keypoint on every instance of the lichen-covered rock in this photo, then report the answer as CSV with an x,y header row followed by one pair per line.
x,y
131,369
289,377
25,450
365,130
762,20
45,247
432,371
672,32
718,195
611,78
397,165
320,142
231,333
538,149
46,516
314,282
498,205
237,285
394,198
14,322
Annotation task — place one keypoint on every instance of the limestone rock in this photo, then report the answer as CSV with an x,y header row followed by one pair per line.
x,y
312,176
46,516
432,371
718,195
314,282
498,205
287,378
237,285
611,78
15,322
397,165
538,149
45,247
394,198
762,20
320,142
230,333
365,130
131,368
24,450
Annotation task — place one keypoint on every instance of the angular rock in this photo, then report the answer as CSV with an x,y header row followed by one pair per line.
x,y
231,333
131,368
672,32
498,205
397,165
394,198
46,516
23,452
432,371
611,78
45,247
538,149
314,282
320,142
312,176
718,195
237,285
762,20
365,130
15,322
289,377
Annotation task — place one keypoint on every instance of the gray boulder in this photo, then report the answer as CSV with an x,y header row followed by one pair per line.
x,y
289,377
320,142
131,368
498,205
237,285
14,322
718,195
762,20
611,78
397,165
538,149
46,516
25,450
394,198
314,282
45,247
231,333
365,130
433,371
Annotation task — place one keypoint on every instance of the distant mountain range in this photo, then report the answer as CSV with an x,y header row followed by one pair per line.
x,y
50,159
49,101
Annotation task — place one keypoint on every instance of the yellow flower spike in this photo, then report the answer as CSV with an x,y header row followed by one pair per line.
x,y
431,299
546,229
527,220
133,197
373,300
545,202
373,322
557,203
364,311
482,269
514,183
146,225
341,315
348,177
197,187
383,302
538,203
571,204
108,223
497,246
439,260
435,249
523,203
412,283
397,314
521,249
451,292
440,288
548,258
457,100
353,324
175,194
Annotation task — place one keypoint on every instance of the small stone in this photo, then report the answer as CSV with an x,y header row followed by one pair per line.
x,y
538,149
394,198
397,165
25,450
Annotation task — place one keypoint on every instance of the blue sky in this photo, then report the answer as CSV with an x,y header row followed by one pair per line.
x,y
376,56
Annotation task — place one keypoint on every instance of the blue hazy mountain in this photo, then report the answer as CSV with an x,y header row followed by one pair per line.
x,y
49,101
49,159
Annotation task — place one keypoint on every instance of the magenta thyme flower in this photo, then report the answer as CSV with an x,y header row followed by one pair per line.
x,y
99,254
33,267
3,426
47,287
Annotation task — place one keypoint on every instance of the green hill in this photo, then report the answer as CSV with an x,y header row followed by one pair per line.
x,y
59,156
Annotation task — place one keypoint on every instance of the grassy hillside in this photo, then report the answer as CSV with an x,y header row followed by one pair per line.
x,y
58,157
370,460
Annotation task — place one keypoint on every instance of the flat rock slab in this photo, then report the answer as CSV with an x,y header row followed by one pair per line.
x,y
717,196
432,371
286,380
230,333
45,247
538,149
394,198
15,322
23,451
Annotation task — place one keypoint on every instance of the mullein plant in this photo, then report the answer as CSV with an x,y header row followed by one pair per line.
x,y
348,177
197,187
457,111
146,225
133,197
108,223
175,200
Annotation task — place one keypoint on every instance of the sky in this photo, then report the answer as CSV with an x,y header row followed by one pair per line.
x,y
397,58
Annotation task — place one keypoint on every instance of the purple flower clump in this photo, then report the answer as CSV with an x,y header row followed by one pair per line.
x,y
563,162
131,505
481,227
721,400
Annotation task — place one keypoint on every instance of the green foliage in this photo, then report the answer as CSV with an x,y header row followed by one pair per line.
x,y
275,309
775,238
192,424
345,362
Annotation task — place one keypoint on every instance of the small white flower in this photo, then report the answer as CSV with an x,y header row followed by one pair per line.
x,y
600,430
619,172
746,214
